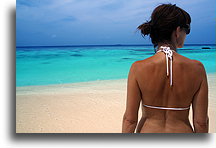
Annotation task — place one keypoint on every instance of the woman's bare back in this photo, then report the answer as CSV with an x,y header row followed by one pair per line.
x,y
156,91
149,85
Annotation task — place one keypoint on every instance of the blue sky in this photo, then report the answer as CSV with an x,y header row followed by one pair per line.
x,y
99,22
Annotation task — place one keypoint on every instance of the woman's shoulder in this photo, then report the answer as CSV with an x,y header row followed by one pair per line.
x,y
194,64
182,60
148,60
199,65
140,65
191,61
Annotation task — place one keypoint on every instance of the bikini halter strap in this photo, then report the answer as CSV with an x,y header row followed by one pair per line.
x,y
169,56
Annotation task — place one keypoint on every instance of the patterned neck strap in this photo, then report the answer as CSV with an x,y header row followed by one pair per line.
x,y
169,56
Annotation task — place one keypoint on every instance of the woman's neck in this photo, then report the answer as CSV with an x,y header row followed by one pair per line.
x,y
172,47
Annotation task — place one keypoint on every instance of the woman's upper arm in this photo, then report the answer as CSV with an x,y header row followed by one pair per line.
x,y
200,100
133,95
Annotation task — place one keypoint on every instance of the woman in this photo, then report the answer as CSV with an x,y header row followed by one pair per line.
x,y
167,83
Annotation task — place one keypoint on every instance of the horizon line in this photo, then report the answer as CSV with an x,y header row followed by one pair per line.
x,y
93,45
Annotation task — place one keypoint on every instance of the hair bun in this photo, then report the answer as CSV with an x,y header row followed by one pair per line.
x,y
145,28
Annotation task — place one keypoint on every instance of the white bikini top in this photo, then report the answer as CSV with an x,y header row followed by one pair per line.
x,y
169,53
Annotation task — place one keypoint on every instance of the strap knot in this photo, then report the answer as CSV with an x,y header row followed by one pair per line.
x,y
169,53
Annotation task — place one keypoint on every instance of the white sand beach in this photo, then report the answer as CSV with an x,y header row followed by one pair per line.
x,y
86,107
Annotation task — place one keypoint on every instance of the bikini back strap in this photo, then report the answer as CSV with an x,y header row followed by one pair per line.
x,y
166,108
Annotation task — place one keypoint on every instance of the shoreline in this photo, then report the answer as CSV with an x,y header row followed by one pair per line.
x,y
84,107
85,82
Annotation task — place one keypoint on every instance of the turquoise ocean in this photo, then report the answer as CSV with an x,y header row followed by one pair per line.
x,y
69,64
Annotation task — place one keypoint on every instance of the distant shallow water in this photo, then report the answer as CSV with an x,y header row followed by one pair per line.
x,y
57,65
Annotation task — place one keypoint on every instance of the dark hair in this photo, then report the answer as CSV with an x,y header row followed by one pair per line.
x,y
164,20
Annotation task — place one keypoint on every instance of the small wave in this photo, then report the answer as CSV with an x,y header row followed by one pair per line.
x,y
76,55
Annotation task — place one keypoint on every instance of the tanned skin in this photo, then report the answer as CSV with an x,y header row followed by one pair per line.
x,y
149,84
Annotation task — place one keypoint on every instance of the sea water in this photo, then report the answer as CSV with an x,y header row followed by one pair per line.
x,y
69,64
